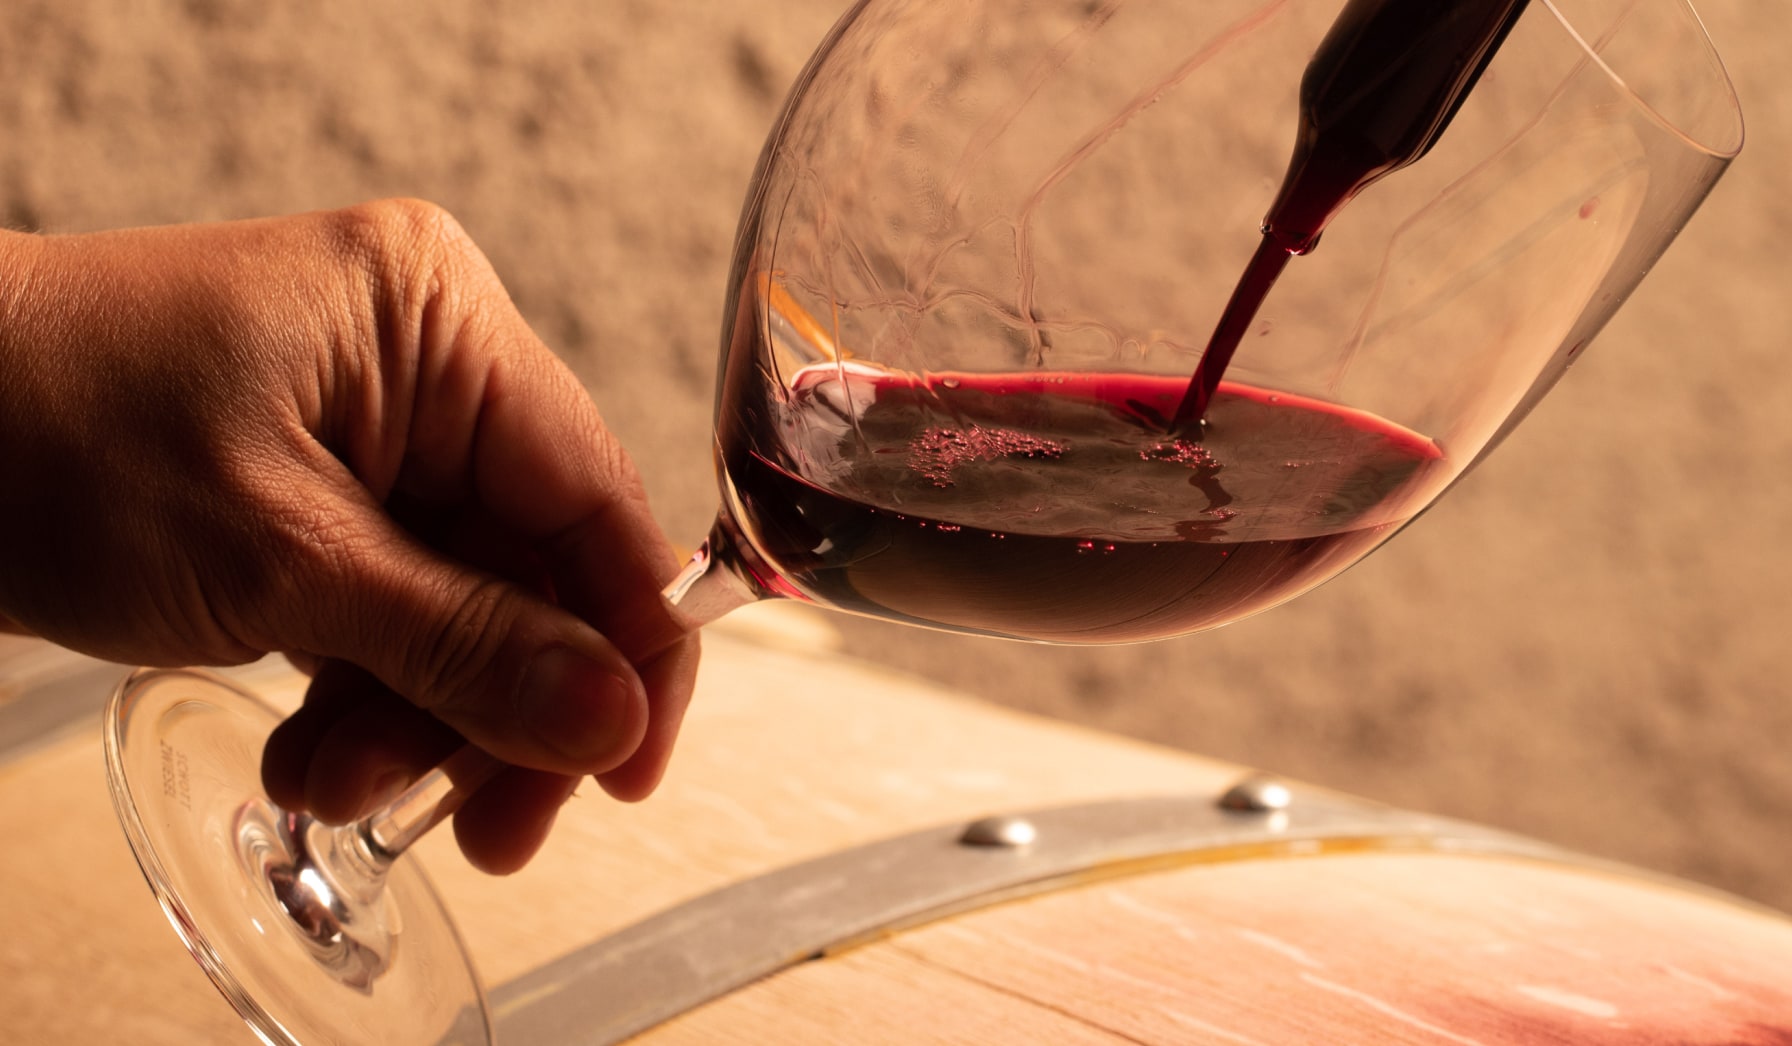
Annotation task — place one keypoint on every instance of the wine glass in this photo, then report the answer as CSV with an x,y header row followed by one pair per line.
x,y
985,248
970,289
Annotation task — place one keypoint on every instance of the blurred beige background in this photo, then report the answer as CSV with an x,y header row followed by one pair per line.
x,y
1587,641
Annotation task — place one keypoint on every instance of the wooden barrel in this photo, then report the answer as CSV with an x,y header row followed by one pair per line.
x,y
825,840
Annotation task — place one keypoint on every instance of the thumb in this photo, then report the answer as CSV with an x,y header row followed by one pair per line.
x,y
516,675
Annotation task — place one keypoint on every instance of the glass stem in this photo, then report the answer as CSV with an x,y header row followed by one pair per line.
x,y
391,830
708,586
704,590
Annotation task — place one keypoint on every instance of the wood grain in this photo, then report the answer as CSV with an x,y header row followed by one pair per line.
x,y
797,753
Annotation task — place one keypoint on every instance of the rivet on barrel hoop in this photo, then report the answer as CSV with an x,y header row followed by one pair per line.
x,y
1256,794
1006,830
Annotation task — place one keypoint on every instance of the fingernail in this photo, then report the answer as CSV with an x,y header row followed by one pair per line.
x,y
577,706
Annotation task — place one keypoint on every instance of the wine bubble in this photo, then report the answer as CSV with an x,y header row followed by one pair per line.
x,y
938,452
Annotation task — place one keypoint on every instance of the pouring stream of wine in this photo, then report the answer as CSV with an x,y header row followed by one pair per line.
x,y
1379,92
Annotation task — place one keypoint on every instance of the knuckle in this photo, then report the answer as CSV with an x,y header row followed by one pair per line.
x,y
395,224
422,274
404,245
449,657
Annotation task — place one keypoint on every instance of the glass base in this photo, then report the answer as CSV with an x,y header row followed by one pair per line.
x,y
307,936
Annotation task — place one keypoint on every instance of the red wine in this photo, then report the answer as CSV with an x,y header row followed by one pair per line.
x,y
1053,506
1382,87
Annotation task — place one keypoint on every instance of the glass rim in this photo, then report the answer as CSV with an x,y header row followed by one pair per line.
x,y
1728,142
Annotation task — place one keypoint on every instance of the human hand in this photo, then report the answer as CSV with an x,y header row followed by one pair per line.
x,y
333,436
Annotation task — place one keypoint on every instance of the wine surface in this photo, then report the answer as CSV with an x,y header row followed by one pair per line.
x,y
1053,506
